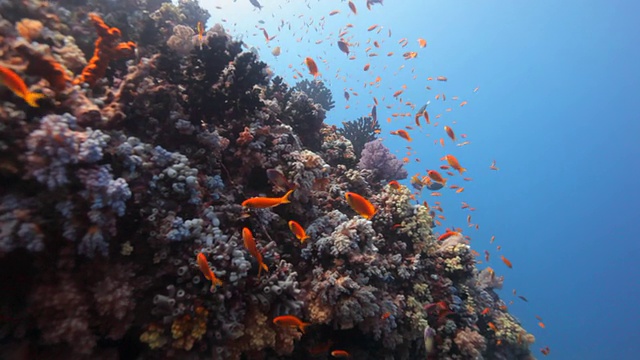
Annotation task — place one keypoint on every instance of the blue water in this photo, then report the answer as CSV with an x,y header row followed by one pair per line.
x,y
556,108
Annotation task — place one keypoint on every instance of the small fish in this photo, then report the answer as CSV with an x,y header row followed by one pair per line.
x,y
403,134
447,235
343,46
15,83
206,271
485,311
450,132
266,202
291,321
276,51
441,78
334,12
545,351
435,176
541,324
394,184
250,244
360,205
422,42
453,161
429,339
256,4
374,114
385,316
493,166
311,65
492,326
200,28
366,67
298,231
523,298
278,179
372,27
506,262
352,6
486,255
340,354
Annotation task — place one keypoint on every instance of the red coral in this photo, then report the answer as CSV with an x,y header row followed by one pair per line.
x,y
107,49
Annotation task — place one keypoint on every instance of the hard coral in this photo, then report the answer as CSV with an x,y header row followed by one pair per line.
x,y
107,48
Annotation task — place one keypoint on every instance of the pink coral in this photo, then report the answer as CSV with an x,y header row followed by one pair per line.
x,y
470,343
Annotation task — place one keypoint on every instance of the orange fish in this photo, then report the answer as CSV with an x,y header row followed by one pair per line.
x,y
340,354
492,326
385,315
15,83
403,134
298,231
450,133
266,202
506,262
394,184
447,235
291,321
333,12
422,42
352,6
372,27
454,163
435,176
250,244
541,324
200,33
313,68
360,205
206,271
366,67
485,311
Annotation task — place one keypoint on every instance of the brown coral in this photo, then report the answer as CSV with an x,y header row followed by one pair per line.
x,y
107,49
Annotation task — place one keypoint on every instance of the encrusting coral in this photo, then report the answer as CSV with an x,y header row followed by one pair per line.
x,y
111,190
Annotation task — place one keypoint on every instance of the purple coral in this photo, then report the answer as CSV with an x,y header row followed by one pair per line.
x,y
384,165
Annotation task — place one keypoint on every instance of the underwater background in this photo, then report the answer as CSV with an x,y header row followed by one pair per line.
x,y
154,123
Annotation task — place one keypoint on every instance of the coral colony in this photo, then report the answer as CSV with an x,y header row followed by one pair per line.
x,y
121,216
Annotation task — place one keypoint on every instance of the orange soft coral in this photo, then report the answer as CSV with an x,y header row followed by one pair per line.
x,y
107,49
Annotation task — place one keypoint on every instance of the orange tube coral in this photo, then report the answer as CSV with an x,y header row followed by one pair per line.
x,y
107,49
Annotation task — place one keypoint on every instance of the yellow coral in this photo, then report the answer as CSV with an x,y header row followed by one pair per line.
x,y
154,336
259,334
187,329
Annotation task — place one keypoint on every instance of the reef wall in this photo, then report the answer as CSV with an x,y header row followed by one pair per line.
x,y
138,158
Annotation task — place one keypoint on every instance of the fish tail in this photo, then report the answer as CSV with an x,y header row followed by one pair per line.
x,y
31,98
462,170
303,326
304,238
285,197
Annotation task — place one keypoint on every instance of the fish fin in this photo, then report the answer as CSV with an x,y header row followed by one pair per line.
x,y
31,98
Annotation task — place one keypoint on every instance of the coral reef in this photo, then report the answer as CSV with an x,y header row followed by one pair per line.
x,y
112,188
383,165
359,132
